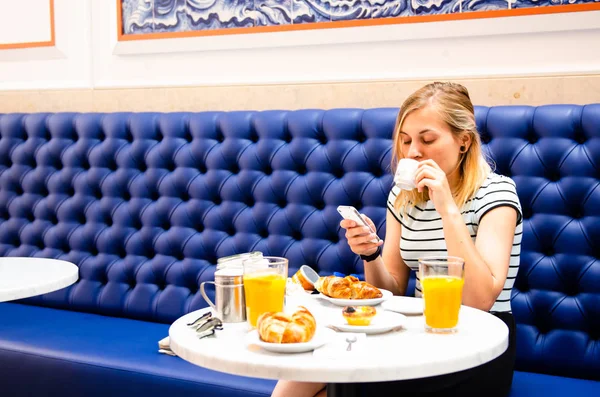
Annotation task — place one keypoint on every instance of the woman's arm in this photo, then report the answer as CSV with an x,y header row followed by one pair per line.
x,y
389,271
487,260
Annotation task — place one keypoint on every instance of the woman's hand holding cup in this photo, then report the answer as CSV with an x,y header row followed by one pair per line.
x,y
361,240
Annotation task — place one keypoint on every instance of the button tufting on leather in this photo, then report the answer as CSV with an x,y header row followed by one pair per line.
x,y
532,137
556,284
128,136
580,137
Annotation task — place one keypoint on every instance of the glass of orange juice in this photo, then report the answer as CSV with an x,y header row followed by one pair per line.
x,y
442,279
264,286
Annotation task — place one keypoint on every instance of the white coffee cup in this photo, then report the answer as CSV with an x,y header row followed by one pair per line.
x,y
405,174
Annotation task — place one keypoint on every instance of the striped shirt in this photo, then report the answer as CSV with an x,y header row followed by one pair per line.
x,y
423,235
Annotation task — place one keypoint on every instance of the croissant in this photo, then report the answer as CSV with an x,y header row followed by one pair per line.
x,y
284,328
348,287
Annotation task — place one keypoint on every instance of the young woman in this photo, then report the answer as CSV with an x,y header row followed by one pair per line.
x,y
459,208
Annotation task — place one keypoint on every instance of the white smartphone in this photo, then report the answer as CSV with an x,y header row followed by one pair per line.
x,y
349,212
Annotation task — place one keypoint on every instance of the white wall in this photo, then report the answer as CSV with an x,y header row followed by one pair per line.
x,y
90,56
13,30
66,65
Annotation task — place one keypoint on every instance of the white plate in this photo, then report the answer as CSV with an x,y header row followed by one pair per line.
x,y
404,305
383,321
358,302
322,336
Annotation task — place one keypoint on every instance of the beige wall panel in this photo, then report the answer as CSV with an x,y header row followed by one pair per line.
x,y
490,92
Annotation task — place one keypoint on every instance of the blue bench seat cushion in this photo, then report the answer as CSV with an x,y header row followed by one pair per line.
x,y
534,384
69,353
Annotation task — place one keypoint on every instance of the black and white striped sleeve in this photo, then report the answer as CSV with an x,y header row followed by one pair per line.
x,y
499,192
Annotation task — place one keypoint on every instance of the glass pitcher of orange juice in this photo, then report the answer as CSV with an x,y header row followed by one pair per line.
x,y
264,286
442,279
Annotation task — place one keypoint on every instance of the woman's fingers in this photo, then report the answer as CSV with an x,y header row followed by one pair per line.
x,y
432,184
360,238
357,231
369,222
347,223
428,172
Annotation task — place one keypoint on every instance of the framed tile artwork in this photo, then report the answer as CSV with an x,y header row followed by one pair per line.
x,y
149,19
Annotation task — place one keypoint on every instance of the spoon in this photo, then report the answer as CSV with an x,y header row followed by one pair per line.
x,y
350,340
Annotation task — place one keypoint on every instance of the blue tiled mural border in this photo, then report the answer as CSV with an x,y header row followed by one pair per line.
x,y
139,19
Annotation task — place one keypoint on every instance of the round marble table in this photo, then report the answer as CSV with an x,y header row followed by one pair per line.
x,y
405,354
25,277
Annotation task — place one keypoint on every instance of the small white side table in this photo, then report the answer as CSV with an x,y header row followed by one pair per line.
x,y
24,277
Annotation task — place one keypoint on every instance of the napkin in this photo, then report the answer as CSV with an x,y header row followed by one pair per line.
x,y
337,347
164,346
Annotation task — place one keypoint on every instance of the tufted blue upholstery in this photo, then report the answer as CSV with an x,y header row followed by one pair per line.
x,y
144,204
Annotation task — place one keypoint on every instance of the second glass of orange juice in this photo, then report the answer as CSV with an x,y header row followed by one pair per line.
x,y
264,286
442,280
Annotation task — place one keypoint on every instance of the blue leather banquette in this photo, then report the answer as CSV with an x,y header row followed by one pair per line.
x,y
145,204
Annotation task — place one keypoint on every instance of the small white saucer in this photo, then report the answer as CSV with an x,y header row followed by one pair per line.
x,y
404,305
322,336
382,322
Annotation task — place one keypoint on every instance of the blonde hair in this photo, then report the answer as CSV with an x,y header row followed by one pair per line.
x,y
452,103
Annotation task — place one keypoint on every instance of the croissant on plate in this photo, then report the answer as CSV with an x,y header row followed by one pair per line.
x,y
348,287
280,327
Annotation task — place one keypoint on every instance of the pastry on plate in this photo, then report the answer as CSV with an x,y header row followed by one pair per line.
x,y
348,287
359,315
281,327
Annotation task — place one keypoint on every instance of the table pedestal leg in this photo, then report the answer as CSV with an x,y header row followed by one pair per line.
x,y
342,390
